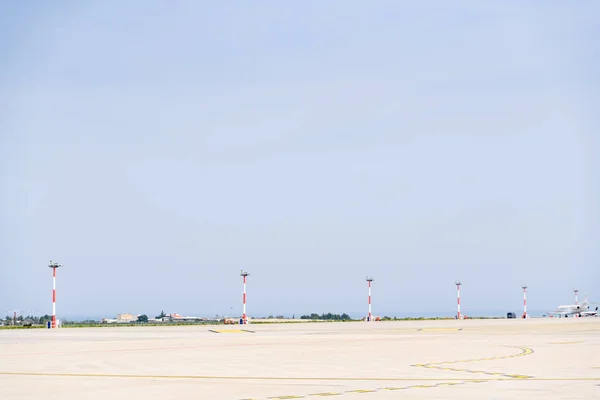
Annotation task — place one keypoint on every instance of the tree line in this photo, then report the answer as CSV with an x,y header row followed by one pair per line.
x,y
36,320
327,317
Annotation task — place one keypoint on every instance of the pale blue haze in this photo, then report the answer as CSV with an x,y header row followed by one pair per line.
x,y
156,148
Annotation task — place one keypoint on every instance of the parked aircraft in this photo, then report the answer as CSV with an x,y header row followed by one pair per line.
x,y
579,310
591,313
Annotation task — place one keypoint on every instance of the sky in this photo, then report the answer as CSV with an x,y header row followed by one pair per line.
x,y
155,149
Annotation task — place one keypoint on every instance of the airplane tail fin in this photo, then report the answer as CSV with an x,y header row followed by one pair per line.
x,y
585,302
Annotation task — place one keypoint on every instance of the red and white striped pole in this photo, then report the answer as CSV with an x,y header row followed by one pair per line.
x,y
244,319
576,292
524,301
458,297
54,266
370,316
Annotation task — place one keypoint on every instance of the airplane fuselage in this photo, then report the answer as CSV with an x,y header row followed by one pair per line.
x,y
572,309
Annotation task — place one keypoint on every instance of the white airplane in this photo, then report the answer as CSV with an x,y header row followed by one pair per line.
x,y
591,313
579,310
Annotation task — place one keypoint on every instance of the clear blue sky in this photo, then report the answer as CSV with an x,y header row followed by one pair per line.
x,y
156,148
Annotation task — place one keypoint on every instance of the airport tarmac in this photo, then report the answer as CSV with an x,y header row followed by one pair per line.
x,y
468,359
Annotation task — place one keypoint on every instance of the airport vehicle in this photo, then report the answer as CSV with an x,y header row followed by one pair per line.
x,y
28,323
511,315
579,310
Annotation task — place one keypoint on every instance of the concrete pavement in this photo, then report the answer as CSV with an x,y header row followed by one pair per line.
x,y
468,359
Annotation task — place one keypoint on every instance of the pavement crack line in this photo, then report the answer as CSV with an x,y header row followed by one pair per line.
x,y
525,351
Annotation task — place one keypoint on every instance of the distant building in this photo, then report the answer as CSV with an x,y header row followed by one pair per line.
x,y
121,319
177,317
126,318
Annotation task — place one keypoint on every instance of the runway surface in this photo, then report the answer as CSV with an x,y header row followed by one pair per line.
x,y
469,359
